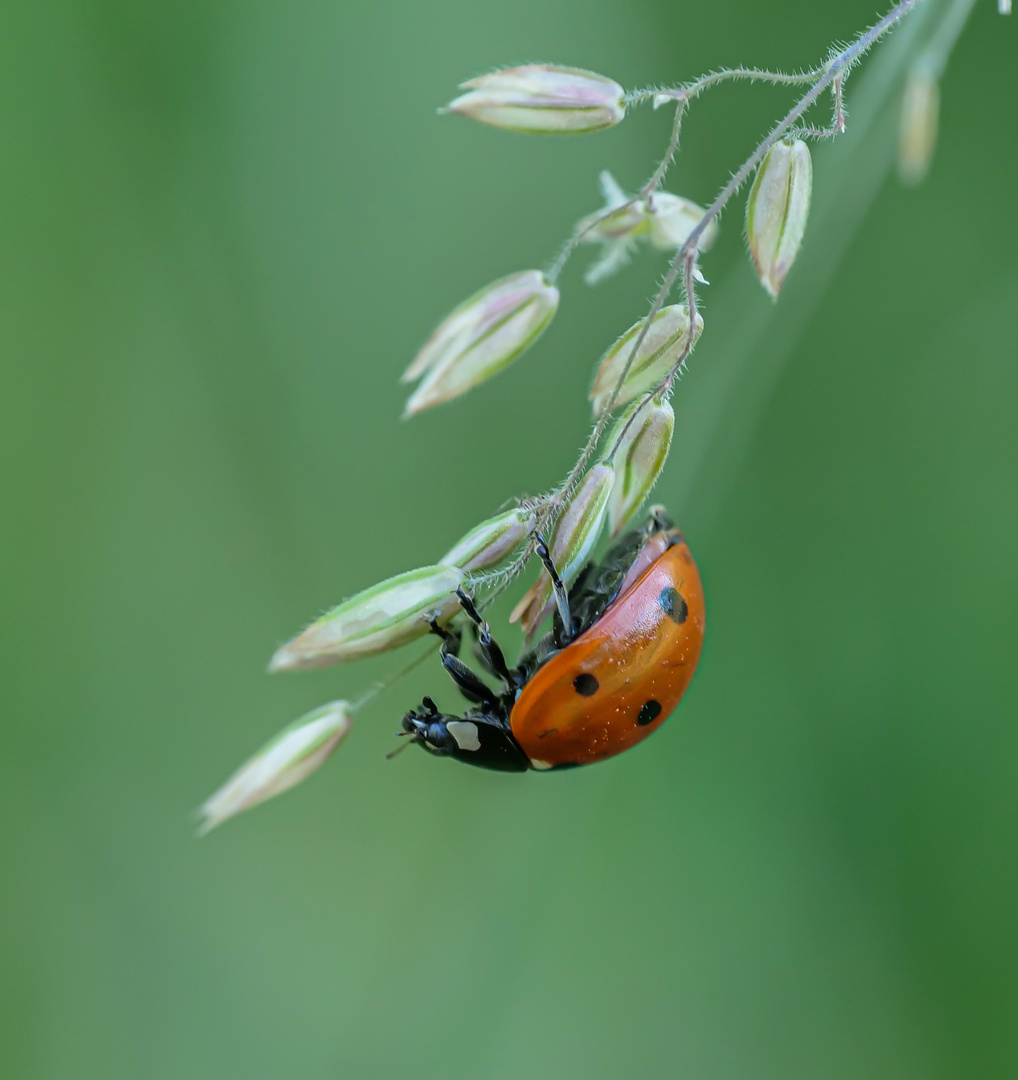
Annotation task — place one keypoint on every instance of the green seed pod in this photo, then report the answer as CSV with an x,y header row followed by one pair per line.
x,y
639,458
482,336
673,218
917,128
662,346
487,544
380,618
576,532
291,756
542,98
777,210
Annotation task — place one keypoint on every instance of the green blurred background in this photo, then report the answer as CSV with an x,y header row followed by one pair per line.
x,y
225,230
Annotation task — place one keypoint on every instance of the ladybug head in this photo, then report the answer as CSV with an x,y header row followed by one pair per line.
x,y
479,737
430,729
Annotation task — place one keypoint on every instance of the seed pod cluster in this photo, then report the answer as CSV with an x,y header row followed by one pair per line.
x,y
634,420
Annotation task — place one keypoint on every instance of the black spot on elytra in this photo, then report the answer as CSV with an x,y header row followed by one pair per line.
x,y
585,684
650,711
673,605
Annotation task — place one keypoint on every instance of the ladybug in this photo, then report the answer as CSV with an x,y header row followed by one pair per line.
x,y
623,647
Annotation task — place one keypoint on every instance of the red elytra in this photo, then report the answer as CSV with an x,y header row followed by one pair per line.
x,y
620,679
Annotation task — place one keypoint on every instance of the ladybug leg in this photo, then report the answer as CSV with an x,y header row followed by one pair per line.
x,y
561,594
491,653
659,520
471,686
451,639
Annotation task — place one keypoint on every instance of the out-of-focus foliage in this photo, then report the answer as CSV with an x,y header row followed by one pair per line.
x,y
226,230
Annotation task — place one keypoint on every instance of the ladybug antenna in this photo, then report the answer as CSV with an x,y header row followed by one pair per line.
x,y
402,746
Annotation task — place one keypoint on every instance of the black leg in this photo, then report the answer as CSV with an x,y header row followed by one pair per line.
x,y
471,686
561,595
450,639
491,654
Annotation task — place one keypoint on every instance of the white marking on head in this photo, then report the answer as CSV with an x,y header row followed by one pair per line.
x,y
540,764
465,734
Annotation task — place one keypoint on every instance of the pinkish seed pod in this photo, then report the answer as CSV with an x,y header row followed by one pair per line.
x,y
285,760
482,336
542,98
487,544
917,128
664,343
639,458
380,618
777,210
576,532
